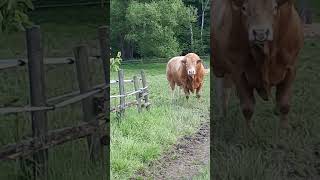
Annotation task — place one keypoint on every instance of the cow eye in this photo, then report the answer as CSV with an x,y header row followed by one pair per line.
x,y
244,8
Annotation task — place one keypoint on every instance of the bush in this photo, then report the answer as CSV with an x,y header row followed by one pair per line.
x,y
115,62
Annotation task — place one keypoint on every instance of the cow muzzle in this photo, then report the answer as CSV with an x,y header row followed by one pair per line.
x,y
191,72
260,35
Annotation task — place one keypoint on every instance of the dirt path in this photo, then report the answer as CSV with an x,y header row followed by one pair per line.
x,y
185,159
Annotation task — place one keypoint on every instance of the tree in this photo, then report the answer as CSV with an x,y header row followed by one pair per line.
x,y
204,6
155,26
203,19
119,27
13,15
163,28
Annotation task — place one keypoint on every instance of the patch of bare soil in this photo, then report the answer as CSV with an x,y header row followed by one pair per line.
x,y
312,30
184,160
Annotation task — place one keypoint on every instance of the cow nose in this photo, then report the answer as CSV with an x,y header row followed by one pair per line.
x,y
191,72
261,34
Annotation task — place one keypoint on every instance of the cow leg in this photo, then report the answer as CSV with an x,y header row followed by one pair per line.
x,y
247,100
227,85
283,94
198,91
222,90
219,91
187,93
179,91
172,86
247,106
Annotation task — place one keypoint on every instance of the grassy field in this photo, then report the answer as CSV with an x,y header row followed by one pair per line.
x,y
275,154
69,161
137,138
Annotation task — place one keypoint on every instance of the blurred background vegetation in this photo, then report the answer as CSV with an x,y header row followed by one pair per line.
x,y
163,28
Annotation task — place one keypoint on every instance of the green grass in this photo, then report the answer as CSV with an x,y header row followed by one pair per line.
x,y
275,154
62,29
137,138
204,174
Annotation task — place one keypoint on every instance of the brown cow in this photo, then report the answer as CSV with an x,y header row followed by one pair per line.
x,y
255,43
187,72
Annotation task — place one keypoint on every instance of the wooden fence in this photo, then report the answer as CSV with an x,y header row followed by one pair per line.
x,y
141,93
94,106
151,60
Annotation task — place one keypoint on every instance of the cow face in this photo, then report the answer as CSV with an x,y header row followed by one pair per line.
x,y
259,18
191,61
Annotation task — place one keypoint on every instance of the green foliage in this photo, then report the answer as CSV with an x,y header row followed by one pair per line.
x,y
158,28
13,15
115,62
154,26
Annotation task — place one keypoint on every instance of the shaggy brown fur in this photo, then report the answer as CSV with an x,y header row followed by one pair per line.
x,y
177,73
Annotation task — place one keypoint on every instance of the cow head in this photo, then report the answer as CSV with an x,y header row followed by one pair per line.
x,y
259,17
191,61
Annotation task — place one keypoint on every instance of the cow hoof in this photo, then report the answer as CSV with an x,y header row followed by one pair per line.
x,y
187,97
198,96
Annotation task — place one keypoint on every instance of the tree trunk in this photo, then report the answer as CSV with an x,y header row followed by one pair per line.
x,y
204,6
191,37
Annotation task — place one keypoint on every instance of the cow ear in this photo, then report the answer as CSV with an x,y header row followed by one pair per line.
x,y
199,61
184,61
281,2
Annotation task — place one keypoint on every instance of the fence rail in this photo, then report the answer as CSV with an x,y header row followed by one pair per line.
x,y
12,63
141,93
55,137
94,100
75,99
152,60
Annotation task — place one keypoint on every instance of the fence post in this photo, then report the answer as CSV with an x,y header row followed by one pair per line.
x,y
104,51
103,34
138,95
121,91
146,95
38,98
81,57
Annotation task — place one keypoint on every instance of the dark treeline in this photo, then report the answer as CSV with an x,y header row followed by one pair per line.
x,y
162,28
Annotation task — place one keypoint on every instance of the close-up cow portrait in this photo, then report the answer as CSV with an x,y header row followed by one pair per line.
x,y
255,46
